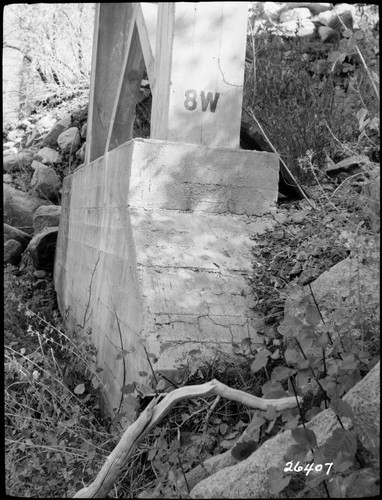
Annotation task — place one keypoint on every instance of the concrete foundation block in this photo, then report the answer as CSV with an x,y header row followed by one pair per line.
x,y
154,252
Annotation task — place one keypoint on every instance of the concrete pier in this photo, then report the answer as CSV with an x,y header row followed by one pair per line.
x,y
154,252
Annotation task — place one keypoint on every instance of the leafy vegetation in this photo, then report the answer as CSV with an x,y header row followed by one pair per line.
x,y
318,105
55,435
306,94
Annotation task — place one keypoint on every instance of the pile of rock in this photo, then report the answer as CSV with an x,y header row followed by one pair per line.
x,y
307,19
37,158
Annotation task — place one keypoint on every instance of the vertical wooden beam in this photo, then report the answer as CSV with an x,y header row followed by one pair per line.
x,y
111,33
163,60
126,97
199,66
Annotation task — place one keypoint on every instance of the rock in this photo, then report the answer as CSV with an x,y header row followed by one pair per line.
x,y
327,34
79,116
297,28
46,216
39,274
46,122
81,152
216,462
25,124
342,8
7,179
346,18
48,156
45,182
42,125
330,18
296,14
12,252
12,233
298,217
334,283
18,161
339,279
84,130
314,8
11,151
69,141
272,10
350,166
19,208
58,128
16,135
34,136
250,478
326,16
42,248
36,164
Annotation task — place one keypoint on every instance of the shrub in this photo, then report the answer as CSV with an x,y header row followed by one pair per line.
x,y
306,94
55,436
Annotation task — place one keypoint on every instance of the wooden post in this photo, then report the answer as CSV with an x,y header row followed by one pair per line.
x,y
113,34
125,99
199,72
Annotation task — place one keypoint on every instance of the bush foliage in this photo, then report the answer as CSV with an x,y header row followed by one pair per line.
x,y
306,94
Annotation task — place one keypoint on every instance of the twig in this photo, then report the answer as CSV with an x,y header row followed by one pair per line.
x,y
347,179
251,113
209,413
151,366
223,77
184,474
122,348
90,294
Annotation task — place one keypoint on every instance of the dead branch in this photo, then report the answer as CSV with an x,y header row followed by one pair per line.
x,y
151,417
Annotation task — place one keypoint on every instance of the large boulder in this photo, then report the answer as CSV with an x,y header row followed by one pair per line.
x,y
45,182
69,141
16,162
12,252
11,233
59,127
42,248
334,284
46,216
250,478
19,208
